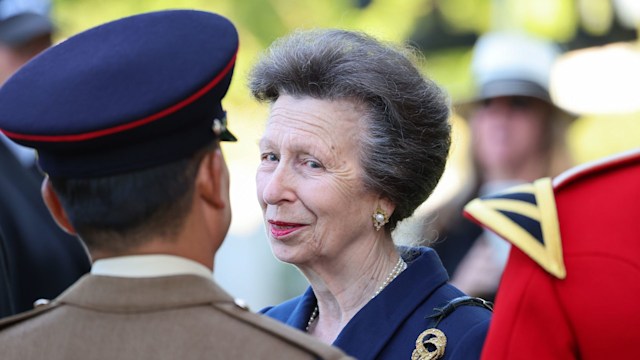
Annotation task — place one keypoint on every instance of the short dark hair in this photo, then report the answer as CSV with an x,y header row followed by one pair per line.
x,y
119,212
405,149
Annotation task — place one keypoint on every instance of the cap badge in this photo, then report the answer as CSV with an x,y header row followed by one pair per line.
x,y
219,125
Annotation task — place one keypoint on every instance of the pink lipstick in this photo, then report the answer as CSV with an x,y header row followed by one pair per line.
x,y
280,228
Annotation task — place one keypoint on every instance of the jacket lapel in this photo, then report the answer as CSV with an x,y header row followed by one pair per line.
x,y
299,317
376,323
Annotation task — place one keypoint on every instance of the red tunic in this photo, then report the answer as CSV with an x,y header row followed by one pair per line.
x,y
571,290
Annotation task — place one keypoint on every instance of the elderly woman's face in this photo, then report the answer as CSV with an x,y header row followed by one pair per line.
x,y
309,181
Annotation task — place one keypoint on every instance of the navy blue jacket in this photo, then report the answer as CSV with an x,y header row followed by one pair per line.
x,y
387,327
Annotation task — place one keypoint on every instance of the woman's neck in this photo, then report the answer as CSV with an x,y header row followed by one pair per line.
x,y
346,284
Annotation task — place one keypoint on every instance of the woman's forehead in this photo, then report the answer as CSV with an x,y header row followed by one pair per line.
x,y
297,141
316,110
333,121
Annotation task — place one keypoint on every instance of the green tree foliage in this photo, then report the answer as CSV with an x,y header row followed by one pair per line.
x,y
444,30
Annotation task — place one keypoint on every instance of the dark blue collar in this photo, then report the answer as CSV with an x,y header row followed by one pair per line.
x,y
383,315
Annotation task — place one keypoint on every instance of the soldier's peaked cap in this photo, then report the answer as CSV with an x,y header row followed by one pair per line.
x,y
124,96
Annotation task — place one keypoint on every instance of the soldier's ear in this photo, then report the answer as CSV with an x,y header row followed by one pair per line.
x,y
210,180
52,201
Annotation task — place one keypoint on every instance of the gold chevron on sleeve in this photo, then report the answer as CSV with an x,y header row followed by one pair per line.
x,y
489,213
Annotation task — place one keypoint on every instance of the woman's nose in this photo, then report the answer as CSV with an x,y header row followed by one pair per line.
x,y
278,186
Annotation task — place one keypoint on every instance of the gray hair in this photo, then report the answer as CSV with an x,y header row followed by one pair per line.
x,y
405,148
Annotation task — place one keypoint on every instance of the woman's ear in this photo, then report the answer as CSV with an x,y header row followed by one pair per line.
x,y
382,214
387,206
52,201
209,182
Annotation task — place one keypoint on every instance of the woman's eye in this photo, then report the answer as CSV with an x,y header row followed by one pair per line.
x,y
313,164
269,157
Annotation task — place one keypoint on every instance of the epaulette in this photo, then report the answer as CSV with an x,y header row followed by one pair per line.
x,y
526,216
241,312
38,310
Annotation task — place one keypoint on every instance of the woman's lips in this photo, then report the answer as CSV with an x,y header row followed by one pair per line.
x,y
280,228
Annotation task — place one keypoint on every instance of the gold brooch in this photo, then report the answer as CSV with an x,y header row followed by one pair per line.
x,y
430,345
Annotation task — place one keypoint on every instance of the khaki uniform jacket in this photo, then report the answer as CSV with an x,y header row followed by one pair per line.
x,y
172,317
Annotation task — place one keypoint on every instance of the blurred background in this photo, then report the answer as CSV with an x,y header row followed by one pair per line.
x,y
598,79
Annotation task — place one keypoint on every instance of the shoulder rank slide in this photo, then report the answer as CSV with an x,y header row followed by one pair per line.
x,y
526,216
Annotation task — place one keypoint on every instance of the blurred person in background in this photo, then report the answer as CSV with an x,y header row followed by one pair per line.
x,y
128,130
38,259
570,287
356,139
517,135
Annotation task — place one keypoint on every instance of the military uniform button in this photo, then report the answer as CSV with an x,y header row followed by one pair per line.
x,y
41,302
241,304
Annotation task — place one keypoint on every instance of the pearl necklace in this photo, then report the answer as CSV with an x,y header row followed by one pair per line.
x,y
400,266
397,269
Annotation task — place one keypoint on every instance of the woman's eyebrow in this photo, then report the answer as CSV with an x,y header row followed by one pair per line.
x,y
264,142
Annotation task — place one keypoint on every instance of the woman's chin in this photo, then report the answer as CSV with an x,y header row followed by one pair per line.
x,y
287,254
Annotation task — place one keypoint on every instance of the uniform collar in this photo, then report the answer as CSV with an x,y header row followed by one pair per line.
x,y
142,266
145,294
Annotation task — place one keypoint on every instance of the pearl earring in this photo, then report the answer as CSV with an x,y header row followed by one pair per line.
x,y
379,218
